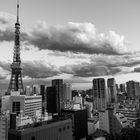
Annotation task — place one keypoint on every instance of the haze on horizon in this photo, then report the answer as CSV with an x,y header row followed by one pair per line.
x,y
75,40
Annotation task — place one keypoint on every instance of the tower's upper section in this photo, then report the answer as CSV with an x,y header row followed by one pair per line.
x,y
17,12
16,57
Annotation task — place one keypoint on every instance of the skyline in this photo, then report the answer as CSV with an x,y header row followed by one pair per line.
x,y
75,46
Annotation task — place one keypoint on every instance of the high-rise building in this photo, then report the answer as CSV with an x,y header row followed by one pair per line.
x,y
133,89
16,74
99,94
43,94
122,88
112,91
35,89
28,90
79,122
51,100
67,92
58,83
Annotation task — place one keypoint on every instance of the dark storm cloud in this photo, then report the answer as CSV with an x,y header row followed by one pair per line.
x,y
89,70
137,69
34,69
38,70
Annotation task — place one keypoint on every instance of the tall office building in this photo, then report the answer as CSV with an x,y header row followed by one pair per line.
x,y
35,89
112,91
58,83
16,74
79,122
43,94
99,94
122,88
133,89
67,92
51,103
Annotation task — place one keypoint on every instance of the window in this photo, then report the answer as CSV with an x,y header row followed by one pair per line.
x,y
16,107
68,127
59,129
33,138
64,128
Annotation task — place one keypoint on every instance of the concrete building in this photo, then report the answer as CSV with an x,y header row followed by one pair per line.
x,y
28,90
132,114
50,130
79,122
58,83
112,122
112,91
27,104
133,89
35,89
93,125
67,91
4,125
99,93
122,88
5,104
51,100
43,94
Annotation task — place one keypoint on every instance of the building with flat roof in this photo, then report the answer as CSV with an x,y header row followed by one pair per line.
x,y
28,104
112,91
17,103
112,122
50,130
99,93
79,122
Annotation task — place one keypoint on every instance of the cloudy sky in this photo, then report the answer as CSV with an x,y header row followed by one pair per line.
x,y
76,40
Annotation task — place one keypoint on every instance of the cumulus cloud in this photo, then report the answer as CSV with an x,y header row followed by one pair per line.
x,y
76,49
73,37
77,37
7,22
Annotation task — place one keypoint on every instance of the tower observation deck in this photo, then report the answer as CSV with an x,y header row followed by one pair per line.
x,y
16,70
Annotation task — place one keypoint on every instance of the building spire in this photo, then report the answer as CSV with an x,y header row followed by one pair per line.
x,y
17,11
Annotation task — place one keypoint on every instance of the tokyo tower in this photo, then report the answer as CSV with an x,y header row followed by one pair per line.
x,y
16,70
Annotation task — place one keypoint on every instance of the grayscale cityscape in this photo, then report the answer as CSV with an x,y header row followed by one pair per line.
x,y
69,70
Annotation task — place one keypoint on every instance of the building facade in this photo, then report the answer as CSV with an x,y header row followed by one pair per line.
x,y
57,130
112,91
99,94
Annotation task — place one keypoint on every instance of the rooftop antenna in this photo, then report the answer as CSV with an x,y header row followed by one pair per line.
x,y
17,11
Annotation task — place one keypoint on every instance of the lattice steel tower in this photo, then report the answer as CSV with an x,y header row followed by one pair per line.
x,y
16,70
